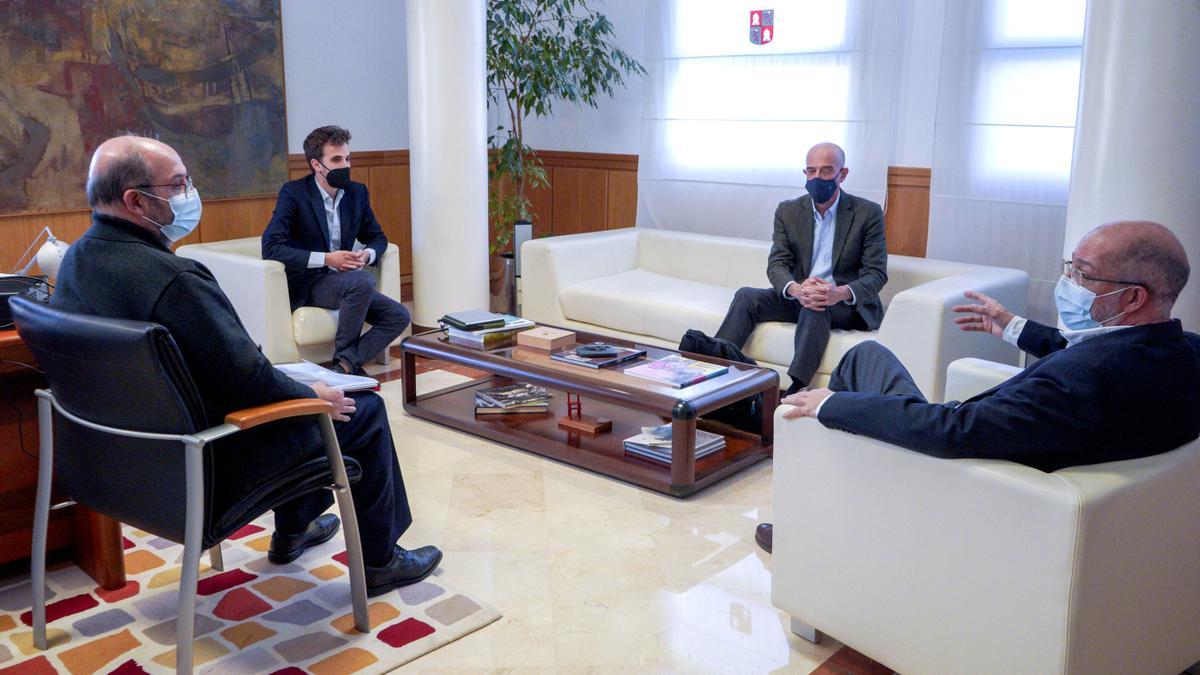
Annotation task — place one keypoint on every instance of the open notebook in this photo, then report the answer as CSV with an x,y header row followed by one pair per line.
x,y
307,372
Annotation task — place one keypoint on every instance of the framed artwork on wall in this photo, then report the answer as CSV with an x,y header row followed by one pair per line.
x,y
204,76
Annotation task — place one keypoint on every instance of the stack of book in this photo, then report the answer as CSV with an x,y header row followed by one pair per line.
x,y
493,337
512,399
677,371
655,443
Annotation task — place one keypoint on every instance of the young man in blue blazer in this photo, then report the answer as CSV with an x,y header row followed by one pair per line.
x,y
318,220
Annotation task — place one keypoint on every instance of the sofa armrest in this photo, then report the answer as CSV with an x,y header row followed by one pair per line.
x,y
970,376
919,327
258,290
885,549
552,264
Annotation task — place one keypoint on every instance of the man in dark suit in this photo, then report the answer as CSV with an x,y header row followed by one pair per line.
x,y
143,201
827,264
1120,382
313,231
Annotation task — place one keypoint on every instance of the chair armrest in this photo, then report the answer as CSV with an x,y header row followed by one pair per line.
x,y
389,273
970,376
886,548
251,417
258,290
918,325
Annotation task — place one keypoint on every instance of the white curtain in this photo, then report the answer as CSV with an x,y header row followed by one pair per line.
x,y
727,123
1003,137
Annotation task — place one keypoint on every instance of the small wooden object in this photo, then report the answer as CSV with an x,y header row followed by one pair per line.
x,y
577,421
544,337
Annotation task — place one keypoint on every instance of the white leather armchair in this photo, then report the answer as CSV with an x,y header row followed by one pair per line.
x,y
982,566
258,290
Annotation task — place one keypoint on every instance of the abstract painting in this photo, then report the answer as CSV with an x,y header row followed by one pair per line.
x,y
204,76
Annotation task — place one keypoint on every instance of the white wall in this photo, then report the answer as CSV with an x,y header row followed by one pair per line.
x,y
344,63
614,127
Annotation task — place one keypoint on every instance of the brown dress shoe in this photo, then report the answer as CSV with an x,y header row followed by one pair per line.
x,y
762,535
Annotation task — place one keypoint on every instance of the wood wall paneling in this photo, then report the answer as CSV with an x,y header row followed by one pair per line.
x,y
586,192
622,199
907,218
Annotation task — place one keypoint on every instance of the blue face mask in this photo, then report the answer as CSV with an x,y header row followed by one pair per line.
x,y
821,189
187,209
1074,303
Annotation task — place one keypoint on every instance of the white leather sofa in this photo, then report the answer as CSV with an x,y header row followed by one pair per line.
x,y
983,566
258,290
653,285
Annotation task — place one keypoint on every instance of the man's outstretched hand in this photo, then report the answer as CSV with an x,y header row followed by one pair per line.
x,y
988,316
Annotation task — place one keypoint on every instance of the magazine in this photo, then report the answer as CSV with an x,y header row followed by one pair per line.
x,y
655,443
513,395
677,371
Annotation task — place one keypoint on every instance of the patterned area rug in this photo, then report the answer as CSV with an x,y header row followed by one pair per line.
x,y
255,617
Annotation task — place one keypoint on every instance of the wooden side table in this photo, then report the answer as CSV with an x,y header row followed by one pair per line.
x,y
95,540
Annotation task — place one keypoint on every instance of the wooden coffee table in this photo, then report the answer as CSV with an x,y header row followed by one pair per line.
x,y
630,402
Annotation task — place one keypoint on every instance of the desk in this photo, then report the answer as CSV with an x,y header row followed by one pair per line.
x,y
95,540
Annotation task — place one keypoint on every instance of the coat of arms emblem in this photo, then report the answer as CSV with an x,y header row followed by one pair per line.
x,y
762,26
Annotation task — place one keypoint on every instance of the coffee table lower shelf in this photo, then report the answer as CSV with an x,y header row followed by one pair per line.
x,y
604,453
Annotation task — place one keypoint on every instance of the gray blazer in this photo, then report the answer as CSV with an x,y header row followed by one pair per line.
x,y
859,250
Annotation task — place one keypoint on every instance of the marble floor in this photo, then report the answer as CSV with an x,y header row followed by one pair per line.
x,y
594,575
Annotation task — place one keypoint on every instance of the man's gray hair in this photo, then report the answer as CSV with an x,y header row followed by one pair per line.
x,y
1162,268
108,185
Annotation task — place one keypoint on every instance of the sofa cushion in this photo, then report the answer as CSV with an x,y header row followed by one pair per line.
x,y
638,301
771,342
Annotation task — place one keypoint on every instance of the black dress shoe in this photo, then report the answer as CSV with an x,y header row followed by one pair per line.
x,y
406,567
287,547
339,368
795,387
763,536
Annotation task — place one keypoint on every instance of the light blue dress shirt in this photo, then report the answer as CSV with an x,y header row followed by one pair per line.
x,y
317,258
824,227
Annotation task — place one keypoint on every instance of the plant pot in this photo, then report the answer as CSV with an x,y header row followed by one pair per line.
x,y
502,283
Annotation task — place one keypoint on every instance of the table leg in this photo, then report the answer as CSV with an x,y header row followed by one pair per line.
x,y
99,548
683,445
410,377
770,403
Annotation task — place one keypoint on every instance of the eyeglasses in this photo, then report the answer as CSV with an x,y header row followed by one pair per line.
x,y
826,172
184,185
1075,275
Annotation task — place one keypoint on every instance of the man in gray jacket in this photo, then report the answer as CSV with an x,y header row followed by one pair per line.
x,y
827,264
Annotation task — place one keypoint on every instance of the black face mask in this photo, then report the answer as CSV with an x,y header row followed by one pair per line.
x,y
821,190
338,178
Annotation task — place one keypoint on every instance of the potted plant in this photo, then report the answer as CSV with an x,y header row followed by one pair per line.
x,y
539,52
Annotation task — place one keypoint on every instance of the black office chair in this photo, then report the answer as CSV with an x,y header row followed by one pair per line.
x,y
122,431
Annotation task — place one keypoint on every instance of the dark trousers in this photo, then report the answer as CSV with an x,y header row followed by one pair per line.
x,y
871,368
380,501
752,306
354,295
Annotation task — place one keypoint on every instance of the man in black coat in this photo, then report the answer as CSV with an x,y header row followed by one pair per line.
x,y
313,231
1120,382
827,264
142,202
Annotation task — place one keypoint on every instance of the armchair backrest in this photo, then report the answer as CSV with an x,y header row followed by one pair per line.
x,y
123,374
